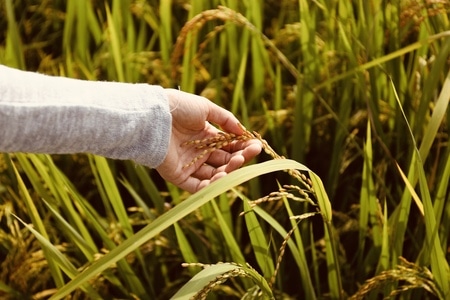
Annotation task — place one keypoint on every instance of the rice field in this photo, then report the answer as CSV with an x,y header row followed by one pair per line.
x,y
350,199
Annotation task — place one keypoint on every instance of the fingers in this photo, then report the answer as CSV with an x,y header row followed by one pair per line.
x,y
222,117
253,148
207,173
193,184
247,150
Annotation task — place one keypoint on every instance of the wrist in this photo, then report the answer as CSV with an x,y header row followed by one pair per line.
x,y
172,98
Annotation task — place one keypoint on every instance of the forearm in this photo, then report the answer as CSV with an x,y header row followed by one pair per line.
x,y
44,114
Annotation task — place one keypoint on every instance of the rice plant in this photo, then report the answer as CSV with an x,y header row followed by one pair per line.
x,y
358,91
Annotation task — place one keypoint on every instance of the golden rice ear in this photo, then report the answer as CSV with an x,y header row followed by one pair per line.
x,y
405,277
210,144
222,139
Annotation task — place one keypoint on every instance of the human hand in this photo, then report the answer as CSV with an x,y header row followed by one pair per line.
x,y
191,115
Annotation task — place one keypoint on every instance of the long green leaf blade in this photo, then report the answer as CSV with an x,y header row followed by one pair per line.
x,y
174,215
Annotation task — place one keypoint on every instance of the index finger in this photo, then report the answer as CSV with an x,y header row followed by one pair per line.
x,y
224,118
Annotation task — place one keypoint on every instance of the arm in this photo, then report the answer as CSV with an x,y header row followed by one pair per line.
x,y
140,122
56,115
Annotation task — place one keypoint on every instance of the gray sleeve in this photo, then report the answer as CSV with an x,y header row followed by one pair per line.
x,y
56,115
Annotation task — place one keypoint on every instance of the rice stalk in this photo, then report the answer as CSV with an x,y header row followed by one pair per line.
x,y
409,44
406,276
282,193
223,139
173,215
225,14
284,245
14,48
202,293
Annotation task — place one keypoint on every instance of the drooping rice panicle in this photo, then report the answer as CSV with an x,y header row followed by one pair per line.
x,y
223,139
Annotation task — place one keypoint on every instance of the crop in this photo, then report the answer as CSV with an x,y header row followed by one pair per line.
x,y
350,199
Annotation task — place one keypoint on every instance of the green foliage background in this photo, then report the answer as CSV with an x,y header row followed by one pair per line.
x,y
358,91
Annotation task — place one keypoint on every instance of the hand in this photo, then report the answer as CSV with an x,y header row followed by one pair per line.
x,y
191,115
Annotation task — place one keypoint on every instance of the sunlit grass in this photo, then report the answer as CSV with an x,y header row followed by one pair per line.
x,y
358,91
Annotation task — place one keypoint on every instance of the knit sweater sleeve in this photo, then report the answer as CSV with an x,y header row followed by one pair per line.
x,y
56,115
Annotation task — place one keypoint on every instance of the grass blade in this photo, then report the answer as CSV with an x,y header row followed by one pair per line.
x,y
115,46
439,264
14,51
334,274
297,250
175,214
38,223
232,245
259,243
185,248
57,257
202,279
112,192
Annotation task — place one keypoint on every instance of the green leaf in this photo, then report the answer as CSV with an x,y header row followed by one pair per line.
x,y
296,247
232,244
38,224
322,197
115,46
260,247
439,263
56,257
184,246
334,275
202,279
175,214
